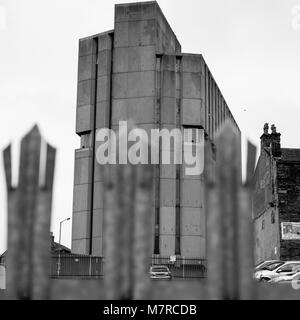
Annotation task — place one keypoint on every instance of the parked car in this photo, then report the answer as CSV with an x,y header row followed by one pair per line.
x,y
270,267
266,264
160,272
277,269
287,279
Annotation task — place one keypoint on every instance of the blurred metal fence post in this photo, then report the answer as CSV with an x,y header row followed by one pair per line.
x,y
229,225
29,213
246,231
128,207
90,266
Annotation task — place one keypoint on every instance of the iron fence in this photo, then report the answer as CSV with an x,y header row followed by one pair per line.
x,y
82,266
229,234
183,267
72,266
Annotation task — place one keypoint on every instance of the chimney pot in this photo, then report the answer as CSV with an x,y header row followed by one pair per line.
x,y
273,128
266,128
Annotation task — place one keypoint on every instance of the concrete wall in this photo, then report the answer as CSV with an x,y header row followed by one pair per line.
x,y
93,112
137,72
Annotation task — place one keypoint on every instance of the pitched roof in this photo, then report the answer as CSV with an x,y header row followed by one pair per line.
x,y
55,247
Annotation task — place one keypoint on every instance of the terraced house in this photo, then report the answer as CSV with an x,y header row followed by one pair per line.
x,y
276,206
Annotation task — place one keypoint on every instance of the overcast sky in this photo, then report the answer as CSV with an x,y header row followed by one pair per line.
x,y
252,48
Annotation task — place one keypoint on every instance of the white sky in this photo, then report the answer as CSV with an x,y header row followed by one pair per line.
x,y
252,48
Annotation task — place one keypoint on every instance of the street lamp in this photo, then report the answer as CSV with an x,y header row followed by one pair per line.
x,y
67,219
60,224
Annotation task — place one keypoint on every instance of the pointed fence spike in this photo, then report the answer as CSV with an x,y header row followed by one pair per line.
x,y
29,214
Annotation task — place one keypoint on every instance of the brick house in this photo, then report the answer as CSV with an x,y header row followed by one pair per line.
x,y
55,248
276,200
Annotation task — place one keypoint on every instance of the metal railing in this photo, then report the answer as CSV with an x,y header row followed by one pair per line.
x,y
128,235
76,266
82,266
183,267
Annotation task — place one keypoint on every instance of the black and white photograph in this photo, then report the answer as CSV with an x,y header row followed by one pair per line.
x,y
149,153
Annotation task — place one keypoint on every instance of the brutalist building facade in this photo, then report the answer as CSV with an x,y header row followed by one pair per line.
x,y
137,71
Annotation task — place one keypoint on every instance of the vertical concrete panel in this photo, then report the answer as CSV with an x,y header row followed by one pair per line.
x,y
98,223
167,245
191,190
81,225
81,197
86,47
97,249
168,108
87,82
140,31
103,112
104,62
217,110
84,118
86,85
103,88
193,246
191,85
81,200
134,59
207,100
192,112
80,246
86,67
167,219
191,222
139,110
210,107
193,91
152,27
85,92
213,109
191,63
168,192
220,109
133,85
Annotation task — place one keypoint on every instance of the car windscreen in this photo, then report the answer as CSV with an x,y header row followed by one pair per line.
x,y
273,266
265,264
160,269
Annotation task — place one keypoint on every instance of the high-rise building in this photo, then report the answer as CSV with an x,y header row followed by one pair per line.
x,y
137,71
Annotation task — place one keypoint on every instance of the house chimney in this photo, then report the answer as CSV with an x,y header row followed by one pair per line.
x,y
265,139
275,142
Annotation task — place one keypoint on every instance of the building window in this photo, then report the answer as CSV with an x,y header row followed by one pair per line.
x,y
272,217
263,224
